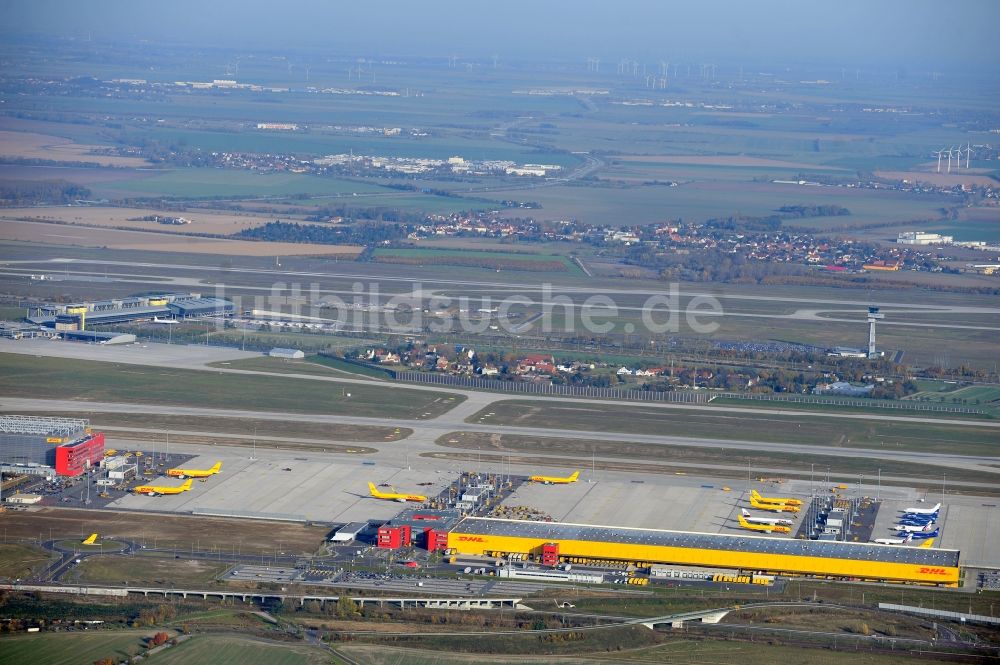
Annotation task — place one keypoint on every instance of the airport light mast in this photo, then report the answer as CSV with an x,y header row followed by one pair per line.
x,y
873,316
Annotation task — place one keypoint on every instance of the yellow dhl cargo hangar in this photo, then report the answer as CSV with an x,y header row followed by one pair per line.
x,y
780,556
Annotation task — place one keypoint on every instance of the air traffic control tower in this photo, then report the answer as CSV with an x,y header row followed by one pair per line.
x,y
873,316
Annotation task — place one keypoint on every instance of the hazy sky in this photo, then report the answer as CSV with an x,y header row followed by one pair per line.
x,y
931,33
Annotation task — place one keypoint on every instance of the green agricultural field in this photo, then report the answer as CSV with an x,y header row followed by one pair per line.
x,y
706,199
22,561
338,365
972,394
72,648
499,261
58,378
806,430
146,571
677,651
183,430
307,342
314,365
234,650
952,393
204,182
12,313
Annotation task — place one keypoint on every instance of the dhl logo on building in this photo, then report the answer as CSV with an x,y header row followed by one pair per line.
x,y
471,539
54,439
933,571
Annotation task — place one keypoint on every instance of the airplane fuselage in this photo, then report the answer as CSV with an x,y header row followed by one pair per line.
x,y
911,528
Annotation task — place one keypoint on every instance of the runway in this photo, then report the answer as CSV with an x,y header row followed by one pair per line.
x,y
426,432
197,357
522,287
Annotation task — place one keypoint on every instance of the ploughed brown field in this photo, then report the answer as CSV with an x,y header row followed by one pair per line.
x,y
28,145
82,236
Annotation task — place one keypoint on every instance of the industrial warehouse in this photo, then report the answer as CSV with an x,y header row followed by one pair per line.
x,y
67,445
551,543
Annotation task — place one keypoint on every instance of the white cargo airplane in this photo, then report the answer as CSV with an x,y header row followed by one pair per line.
x,y
894,541
909,528
168,322
773,521
923,511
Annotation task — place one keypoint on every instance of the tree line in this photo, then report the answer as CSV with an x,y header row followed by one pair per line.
x,y
364,233
32,192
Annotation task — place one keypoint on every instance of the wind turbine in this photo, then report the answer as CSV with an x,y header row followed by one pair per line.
x,y
938,153
968,154
949,157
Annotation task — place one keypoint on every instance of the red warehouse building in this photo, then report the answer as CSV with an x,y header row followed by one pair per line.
x,y
72,458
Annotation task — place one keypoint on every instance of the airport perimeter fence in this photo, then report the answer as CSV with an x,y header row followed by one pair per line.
x,y
861,403
683,397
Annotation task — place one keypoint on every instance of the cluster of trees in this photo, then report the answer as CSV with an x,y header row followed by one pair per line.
x,y
962,371
373,213
799,212
32,192
894,390
770,223
367,234
154,615
710,265
344,608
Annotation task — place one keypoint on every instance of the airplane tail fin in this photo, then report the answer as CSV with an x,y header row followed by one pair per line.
x,y
746,513
372,490
927,543
936,507
216,467
187,484
574,475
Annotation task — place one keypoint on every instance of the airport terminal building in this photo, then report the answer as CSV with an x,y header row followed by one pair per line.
x,y
66,444
77,316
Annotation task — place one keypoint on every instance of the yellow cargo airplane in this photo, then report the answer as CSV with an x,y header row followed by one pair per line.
x,y
784,501
195,473
90,540
395,496
154,490
555,480
774,507
765,528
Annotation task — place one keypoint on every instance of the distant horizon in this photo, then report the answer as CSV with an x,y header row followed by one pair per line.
x,y
919,34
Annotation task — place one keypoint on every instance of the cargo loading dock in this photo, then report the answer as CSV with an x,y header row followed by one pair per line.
x,y
864,561
331,489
